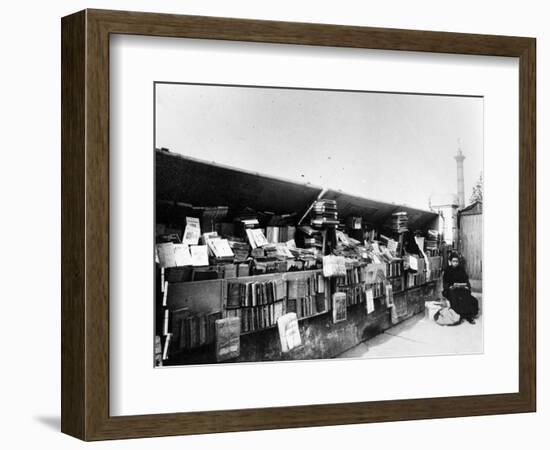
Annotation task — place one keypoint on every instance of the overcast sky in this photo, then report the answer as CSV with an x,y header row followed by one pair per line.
x,y
392,147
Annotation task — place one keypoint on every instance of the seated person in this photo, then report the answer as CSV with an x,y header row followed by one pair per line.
x,y
456,289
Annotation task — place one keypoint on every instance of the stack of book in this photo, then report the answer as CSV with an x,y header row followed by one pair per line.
x,y
256,237
324,212
247,217
304,253
219,249
350,248
313,241
240,249
263,267
312,238
278,251
400,222
258,304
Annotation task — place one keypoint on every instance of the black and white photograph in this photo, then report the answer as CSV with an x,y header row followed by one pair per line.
x,y
303,224
275,225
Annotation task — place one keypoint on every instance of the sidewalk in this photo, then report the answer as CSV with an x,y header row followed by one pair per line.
x,y
419,336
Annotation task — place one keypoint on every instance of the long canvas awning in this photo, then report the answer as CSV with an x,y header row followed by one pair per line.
x,y
200,183
378,212
182,179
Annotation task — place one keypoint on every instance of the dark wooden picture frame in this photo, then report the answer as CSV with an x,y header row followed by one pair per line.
x,y
85,224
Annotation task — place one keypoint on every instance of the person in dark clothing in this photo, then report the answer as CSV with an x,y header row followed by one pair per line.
x,y
456,289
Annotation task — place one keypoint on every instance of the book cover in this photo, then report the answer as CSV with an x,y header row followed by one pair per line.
x,y
370,300
158,351
251,239
339,307
289,332
166,254
199,255
182,256
229,271
178,317
234,294
258,237
192,231
228,338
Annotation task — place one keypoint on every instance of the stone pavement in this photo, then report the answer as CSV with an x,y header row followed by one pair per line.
x,y
419,336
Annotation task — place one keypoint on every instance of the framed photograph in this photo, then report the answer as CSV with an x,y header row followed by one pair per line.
x,y
251,208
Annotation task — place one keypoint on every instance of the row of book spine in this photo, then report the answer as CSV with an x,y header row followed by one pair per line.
x,y
186,273
307,306
258,317
394,269
306,286
416,279
361,274
357,293
355,275
193,330
254,293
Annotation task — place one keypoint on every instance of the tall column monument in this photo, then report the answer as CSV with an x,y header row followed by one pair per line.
x,y
459,158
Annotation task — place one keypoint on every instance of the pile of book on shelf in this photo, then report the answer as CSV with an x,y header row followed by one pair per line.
x,y
375,252
220,243
245,219
258,304
400,222
278,251
241,294
312,238
350,248
307,295
240,249
324,212
358,279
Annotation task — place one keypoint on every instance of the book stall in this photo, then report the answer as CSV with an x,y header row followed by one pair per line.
x,y
256,268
